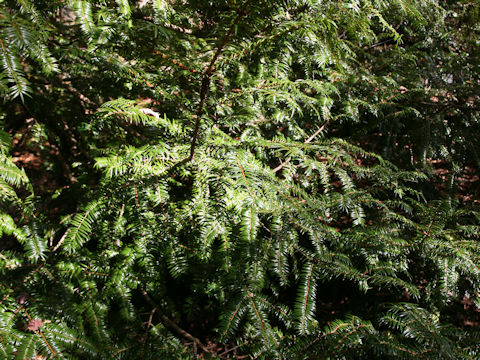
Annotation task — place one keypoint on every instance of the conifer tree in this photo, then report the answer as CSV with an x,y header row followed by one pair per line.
x,y
231,179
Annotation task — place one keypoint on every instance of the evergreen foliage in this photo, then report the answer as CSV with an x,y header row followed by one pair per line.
x,y
239,178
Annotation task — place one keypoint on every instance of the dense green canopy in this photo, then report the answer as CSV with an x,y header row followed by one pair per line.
x,y
229,179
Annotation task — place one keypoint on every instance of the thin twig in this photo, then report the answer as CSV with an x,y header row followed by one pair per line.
x,y
38,331
148,326
232,349
60,242
120,351
309,140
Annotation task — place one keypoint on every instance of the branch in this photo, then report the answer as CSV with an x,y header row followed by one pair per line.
x,y
168,323
207,75
308,141
232,349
